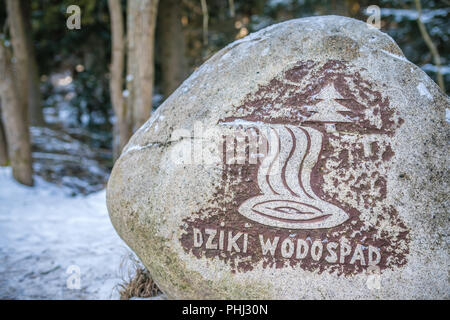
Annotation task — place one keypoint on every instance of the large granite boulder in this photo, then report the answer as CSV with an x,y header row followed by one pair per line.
x,y
307,160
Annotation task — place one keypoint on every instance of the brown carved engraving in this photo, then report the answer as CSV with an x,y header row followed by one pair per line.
x,y
349,177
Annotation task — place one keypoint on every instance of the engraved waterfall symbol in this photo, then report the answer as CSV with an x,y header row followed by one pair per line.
x,y
287,199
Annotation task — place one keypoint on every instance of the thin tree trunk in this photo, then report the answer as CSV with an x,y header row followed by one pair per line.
x,y
205,21
3,145
19,44
132,77
122,130
172,47
232,10
145,55
434,51
16,126
141,24
34,93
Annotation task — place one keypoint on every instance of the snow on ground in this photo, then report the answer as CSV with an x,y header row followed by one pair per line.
x,y
46,233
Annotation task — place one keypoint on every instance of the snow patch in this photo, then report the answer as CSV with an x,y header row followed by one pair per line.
x,y
240,122
44,231
412,15
423,91
444,70
265,52
137,148
394,55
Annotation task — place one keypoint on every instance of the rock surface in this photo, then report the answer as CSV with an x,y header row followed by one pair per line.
x,y
307,160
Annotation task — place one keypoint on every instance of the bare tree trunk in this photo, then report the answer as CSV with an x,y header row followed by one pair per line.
x,y
3,145
15,122
172,47
232,9
141,24
434,52
122,128
146,45
19,44
132,76
34,93
205,21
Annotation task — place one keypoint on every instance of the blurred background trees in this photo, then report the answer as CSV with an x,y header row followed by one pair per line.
x,y
88,90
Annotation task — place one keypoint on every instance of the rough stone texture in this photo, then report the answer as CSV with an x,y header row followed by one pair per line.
x,y
362,181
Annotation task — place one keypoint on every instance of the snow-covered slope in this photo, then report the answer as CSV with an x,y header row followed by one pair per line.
x,y
44,233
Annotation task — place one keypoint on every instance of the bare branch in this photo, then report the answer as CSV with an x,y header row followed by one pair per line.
x,y
232,10
205,22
